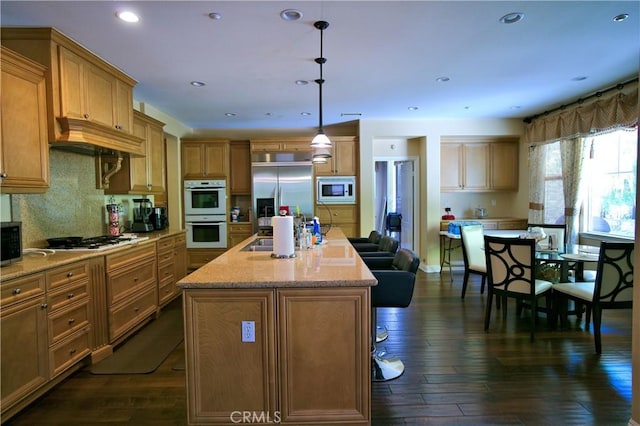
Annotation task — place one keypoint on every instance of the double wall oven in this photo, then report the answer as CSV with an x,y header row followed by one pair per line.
x,y
205,207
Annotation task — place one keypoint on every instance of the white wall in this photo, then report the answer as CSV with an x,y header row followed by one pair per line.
x,y
423,137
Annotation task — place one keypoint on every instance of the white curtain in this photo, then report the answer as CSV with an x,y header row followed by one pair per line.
x,y
572,152
537,161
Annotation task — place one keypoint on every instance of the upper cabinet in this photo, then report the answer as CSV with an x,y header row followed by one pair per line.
x,y
478,164
24,147
139,174
89,101
240,168
344,158
284,144
205,158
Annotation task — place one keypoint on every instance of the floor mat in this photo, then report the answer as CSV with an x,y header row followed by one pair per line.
x,y
144,352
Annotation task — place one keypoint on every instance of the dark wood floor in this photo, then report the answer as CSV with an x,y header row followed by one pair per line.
x,y
455,373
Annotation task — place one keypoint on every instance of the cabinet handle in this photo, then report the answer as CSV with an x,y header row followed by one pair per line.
x,y
3,175
70,295
117,126
16,291
71,320
86,116
44,306
135,279
72,351
136,309
69,275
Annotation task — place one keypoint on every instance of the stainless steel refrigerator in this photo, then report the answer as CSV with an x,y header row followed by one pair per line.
x,y
282,183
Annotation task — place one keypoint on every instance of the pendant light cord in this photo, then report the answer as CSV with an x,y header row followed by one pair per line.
x,y
321,25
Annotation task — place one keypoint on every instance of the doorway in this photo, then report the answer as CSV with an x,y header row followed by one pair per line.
x,y
396,190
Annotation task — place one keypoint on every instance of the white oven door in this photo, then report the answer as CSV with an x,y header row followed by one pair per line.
x,y
206,234
205,201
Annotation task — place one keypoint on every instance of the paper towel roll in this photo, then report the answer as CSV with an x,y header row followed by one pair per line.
x,y
283,244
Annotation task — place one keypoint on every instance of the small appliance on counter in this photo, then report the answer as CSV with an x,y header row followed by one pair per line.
x,y
481,213
159,218
11,248
447,214
142,215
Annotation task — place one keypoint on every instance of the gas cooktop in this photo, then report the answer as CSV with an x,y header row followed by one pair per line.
x,y
103,242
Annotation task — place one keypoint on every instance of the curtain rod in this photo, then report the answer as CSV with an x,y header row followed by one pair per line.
x,y
618,86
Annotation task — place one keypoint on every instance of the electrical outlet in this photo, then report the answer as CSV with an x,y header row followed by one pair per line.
x,y
248,331
493,202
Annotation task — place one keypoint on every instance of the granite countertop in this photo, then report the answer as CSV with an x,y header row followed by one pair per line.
x,y
332,264
35,262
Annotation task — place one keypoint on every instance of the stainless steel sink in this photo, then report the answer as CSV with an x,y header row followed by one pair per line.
x,y
259,244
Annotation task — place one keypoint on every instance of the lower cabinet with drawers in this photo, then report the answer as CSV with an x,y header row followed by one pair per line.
x,y
132,290
172,266
344,216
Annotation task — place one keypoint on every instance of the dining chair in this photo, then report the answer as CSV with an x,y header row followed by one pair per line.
x,y
612,288
475,262
557,230
511,273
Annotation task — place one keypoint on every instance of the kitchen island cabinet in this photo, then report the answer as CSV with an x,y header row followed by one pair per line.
x,y
24,144
296,331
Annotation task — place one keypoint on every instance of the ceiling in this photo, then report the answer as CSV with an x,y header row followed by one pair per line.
x,y
383,57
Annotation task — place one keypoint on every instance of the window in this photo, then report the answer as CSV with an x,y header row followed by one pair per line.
x,y
610,173
609,203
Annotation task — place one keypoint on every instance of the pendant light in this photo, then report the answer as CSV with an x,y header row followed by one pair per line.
x,y
320,142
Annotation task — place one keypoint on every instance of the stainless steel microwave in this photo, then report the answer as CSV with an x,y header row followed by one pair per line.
x,y
11,248
336,189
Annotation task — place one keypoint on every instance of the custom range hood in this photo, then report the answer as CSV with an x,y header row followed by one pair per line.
x,y
85,137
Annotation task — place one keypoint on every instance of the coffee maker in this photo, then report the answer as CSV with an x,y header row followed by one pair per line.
x,y
142,215
159,218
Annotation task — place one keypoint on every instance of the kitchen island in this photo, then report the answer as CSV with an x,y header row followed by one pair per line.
x,y
279,340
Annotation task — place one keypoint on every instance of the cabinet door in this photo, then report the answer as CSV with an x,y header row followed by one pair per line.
x,y
156,160
504,166
240,159
476,167
124,107
345,161
227,371
334,322
138,165
451,167
100,96
24,363
192,160
72,85
216,159
24,147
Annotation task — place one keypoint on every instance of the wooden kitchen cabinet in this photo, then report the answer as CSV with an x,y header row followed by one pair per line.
x,y
24,145
68,316
478,164
343,216
132,289
240,158
24,357
198,257
205,158
273,376
344,159
172,253
140,175
284,144
238,232
88,100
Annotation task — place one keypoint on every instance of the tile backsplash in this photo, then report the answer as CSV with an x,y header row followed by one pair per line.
x,y
71,207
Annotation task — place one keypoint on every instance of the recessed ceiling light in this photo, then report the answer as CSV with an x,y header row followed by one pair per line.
x,y
516,107
442,79
621,17
413,108
512,18
230,114
127,16
305,113
215,16
579,78
197,84
291,15
302,82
